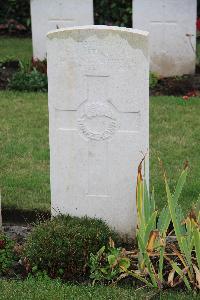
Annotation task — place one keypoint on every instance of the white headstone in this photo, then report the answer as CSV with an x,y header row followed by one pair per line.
x,y
172,28
98,107
47,15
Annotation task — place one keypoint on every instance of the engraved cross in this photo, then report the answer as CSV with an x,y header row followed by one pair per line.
x,y
98,121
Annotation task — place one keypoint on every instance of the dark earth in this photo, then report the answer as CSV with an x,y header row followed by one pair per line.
x,y
7,70
178,86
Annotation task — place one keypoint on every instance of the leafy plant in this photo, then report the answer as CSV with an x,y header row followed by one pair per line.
x,y
29,81
62,246
153,80
109,264
118,12
7,256
159,260
152,238
151,234
187,231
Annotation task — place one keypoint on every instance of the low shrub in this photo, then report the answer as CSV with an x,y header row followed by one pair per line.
x,y
61,246
34,81
7,256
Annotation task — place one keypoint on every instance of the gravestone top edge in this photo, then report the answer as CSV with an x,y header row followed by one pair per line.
x,y
67,32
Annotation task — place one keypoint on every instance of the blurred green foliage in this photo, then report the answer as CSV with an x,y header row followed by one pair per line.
x,y
117,12
18,10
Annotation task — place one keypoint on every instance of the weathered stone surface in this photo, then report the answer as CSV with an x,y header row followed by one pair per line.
x,y
172,27
98,108
47,15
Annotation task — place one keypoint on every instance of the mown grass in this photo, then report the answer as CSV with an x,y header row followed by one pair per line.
x,y
54,290
175,138
15,48
24,151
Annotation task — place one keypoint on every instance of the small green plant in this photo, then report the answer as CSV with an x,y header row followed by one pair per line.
x,y
29,81
7,256
29,78
153,80
109,264
62,246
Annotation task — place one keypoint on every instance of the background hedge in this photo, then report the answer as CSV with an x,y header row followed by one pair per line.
x,y
116,12
18,10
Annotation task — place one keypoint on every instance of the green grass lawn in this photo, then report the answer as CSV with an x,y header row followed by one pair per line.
x,y
24,152
15,48
175,138
53,290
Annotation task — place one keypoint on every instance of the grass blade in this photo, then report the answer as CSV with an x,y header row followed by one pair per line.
x,y
180,273
197,243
